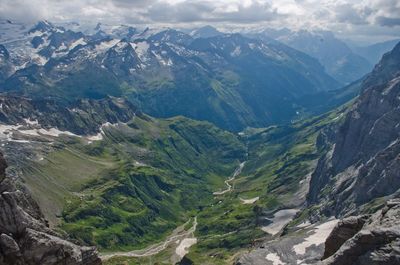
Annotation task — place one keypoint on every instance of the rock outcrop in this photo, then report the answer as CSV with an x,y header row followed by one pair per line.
x,y
364,161
25,238
360,171
375,242
6,66
342,232
83,117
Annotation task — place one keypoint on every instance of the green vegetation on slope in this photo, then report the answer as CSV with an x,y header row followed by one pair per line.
x,y
140,182
148,176
279,160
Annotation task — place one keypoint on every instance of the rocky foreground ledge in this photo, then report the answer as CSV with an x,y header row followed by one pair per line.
x,y
366,240
358,240
26,239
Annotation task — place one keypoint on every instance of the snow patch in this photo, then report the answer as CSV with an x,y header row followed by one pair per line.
x,y
236,52
55,132
105,45
319,235
249,201
276,260
80,41
7,131
184,246
280,219
100,135
28,121
96,137
62,47
252,46
141,49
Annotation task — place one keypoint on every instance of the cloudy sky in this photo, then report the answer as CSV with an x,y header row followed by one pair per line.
x,y
354,19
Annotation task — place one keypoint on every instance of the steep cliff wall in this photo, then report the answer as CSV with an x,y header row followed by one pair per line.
x,y
25,238
363,164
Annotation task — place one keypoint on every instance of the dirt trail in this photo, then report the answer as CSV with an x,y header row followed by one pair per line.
x,y
227,182
178,234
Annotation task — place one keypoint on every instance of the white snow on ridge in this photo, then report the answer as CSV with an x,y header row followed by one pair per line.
x,y
96,137
55,132
33,128
39,60
100,135
80,41
236,52
252,46
105,45
163,61
7,131
120,46
141,49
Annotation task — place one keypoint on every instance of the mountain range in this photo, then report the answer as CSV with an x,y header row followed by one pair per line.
x,y
195,146
339,60
225,79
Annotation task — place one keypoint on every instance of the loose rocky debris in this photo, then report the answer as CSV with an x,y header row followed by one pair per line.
x,y
26,239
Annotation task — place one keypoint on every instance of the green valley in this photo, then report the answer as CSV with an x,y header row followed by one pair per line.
x,y
136,184
279,162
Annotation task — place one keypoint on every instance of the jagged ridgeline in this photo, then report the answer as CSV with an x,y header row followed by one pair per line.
x,y
361,168
227,79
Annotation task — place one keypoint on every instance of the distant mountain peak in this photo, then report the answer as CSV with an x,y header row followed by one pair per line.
x,y
205,32
42,26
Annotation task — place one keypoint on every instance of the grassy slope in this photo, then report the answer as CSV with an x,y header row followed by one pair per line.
x,y
56,178
138,184
279,158
148,176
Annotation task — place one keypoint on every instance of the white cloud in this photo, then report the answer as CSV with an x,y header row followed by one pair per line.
x,y
346,16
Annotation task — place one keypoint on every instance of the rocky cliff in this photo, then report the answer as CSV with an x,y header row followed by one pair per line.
x,y
25,238
83,117
6,66
361,240
362,167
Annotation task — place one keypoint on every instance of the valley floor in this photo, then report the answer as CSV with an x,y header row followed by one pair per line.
x,y
181,238
144,176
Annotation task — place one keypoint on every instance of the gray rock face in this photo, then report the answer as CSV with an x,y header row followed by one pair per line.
x,y
377,242
82,117
302,245
358,172
6,66
343,231
364,160
25,238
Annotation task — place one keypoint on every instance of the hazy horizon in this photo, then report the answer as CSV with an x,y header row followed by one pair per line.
x,y
360,22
